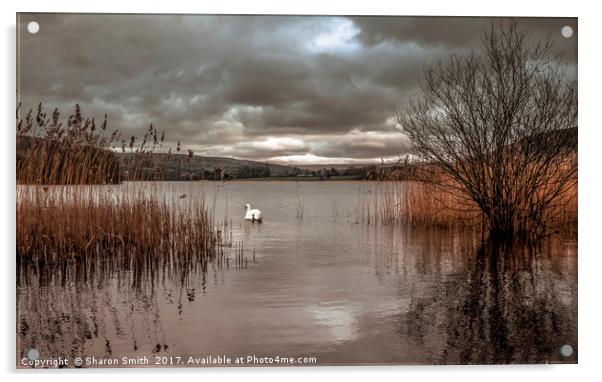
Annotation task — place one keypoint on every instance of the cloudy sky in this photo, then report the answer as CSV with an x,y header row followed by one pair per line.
x,y
285,89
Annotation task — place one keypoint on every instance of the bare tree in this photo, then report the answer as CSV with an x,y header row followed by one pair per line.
x,y
501,125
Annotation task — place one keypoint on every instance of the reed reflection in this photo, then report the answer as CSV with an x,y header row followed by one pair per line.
x,y
111,304
507,303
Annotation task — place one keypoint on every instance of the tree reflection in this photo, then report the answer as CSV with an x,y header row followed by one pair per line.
x,y
513,303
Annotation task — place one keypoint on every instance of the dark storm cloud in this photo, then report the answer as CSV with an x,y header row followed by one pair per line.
x,y
460,33
281,88
364,146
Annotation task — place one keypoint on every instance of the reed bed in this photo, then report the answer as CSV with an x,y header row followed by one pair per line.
x,y
415,203
57,225
424,204
75,151
563,217
66,210
420,203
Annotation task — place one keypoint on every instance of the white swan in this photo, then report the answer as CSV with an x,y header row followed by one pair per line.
x,y
252,214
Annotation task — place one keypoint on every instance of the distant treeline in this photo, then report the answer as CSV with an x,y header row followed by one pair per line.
x,y
182,167
176,166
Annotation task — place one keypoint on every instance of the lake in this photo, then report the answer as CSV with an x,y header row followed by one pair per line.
x,y
314,279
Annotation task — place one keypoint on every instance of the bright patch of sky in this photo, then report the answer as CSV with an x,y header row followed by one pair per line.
x,y
339,37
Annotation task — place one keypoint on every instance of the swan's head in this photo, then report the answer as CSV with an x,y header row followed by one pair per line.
x,y
247,206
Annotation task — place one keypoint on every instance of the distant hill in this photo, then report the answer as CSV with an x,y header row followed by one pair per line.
x,y
567,139
338,167
182,167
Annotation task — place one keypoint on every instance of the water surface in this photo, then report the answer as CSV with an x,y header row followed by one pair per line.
x,y
314,279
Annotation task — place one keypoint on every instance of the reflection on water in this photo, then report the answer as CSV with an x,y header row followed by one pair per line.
x,y
513,304
318,285
89,306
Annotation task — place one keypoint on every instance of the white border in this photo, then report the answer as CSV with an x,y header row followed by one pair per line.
x,y
590,139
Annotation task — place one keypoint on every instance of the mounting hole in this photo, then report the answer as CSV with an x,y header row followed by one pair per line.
x,y
566,31
33,354
566,350
33,27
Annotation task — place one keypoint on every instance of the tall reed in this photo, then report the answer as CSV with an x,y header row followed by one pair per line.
x,y
76,222
75,151
419,203
60,215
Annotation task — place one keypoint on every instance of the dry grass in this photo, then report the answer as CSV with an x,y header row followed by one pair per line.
x,y
417,203
74,222
75,151
563,216
41,161
61,216
416,194
80,151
